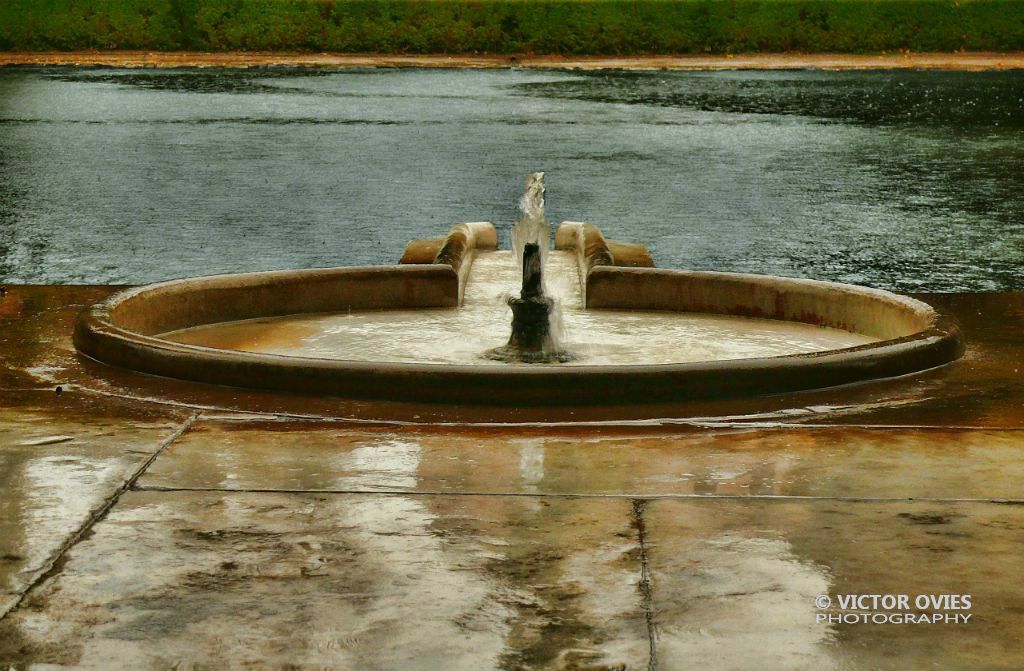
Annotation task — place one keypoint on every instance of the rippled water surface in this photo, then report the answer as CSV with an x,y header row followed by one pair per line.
x,y
907,181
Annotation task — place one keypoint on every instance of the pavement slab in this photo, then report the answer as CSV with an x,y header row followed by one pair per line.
x,y
394,581
837,462
240,580
735,582
60,463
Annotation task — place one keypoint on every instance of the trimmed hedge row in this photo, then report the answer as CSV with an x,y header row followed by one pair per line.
x,y
515,26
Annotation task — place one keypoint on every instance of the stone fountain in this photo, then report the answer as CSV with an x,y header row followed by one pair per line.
x,y
430,328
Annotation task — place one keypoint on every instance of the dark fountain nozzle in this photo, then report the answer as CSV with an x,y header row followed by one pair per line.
x,y
532,270
531,340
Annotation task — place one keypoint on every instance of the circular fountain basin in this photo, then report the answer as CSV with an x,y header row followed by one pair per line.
x,y
594,337
397,332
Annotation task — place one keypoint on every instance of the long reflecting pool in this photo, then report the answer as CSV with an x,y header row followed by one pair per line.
x,y
911,181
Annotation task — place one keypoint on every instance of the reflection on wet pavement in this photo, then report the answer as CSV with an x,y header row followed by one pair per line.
x,y
35,332
742,577
395,581
371,582
823,462
58,464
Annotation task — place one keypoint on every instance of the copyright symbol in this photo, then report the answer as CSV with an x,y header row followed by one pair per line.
x,y
822,601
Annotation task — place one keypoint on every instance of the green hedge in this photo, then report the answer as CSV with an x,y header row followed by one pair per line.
x,y
515,26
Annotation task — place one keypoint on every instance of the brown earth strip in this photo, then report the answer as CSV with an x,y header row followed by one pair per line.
x,y
924,61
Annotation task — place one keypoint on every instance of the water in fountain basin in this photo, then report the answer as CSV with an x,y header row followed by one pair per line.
x,y
457,336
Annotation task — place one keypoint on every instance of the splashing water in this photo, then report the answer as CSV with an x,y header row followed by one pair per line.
x,y
532,226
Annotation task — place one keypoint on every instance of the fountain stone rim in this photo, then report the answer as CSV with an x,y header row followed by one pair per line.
x,y
123,331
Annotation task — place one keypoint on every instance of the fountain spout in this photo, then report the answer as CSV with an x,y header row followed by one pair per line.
x,y
533,285
532,340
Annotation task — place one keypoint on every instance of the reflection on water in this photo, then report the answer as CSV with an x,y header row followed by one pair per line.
x,y
899,180
460,336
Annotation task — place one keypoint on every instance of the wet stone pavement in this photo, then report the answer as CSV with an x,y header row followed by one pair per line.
x,y
146,523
